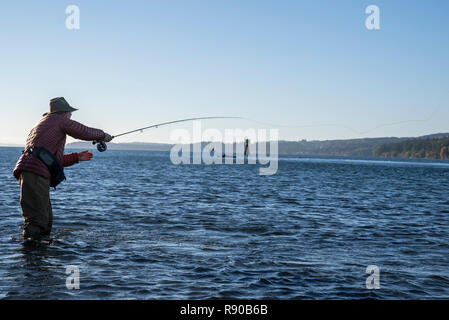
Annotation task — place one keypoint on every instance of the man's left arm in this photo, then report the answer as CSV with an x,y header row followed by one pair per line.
x,y
72,158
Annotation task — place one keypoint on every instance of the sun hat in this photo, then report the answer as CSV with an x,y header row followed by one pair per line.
x,y
59,105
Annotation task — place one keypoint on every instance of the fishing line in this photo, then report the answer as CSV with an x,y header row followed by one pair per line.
x,y
345,126
101,145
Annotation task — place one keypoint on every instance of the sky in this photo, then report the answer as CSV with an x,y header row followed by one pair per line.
x,y
310,69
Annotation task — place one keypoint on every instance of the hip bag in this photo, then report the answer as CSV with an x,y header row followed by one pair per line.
x,y
51,162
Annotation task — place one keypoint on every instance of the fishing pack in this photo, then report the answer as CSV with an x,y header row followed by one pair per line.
x,y
51,162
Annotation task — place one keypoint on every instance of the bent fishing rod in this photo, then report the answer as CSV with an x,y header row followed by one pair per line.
x,y
101,145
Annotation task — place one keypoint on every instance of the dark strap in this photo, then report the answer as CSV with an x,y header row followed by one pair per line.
x,y
29,150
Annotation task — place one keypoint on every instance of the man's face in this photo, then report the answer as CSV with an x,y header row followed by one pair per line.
x,y
68,115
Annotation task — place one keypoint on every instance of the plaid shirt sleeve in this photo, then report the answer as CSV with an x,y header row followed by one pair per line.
x,y
80,131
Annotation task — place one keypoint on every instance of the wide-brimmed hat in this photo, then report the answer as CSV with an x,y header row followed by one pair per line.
x,y
59,105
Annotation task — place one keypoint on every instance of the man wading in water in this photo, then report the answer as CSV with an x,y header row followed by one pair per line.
x,y
41,164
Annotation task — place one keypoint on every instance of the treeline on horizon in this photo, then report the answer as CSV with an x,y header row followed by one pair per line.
x,y
415,148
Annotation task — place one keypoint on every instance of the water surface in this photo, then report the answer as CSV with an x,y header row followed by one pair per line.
x,y
139,227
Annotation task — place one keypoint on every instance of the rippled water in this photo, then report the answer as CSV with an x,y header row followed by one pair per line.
x,y
139,227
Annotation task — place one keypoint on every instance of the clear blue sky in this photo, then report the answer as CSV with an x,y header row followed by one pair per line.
x,y
295,63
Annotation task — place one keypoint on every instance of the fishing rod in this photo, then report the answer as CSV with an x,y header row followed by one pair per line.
x,y
101,145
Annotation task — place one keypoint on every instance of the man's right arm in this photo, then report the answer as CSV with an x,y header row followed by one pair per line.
x,y
82,132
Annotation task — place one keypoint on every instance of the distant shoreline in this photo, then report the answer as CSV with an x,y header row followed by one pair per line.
x,y
379,148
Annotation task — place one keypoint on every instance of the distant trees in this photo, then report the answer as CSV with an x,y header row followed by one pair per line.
x,y
415,148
